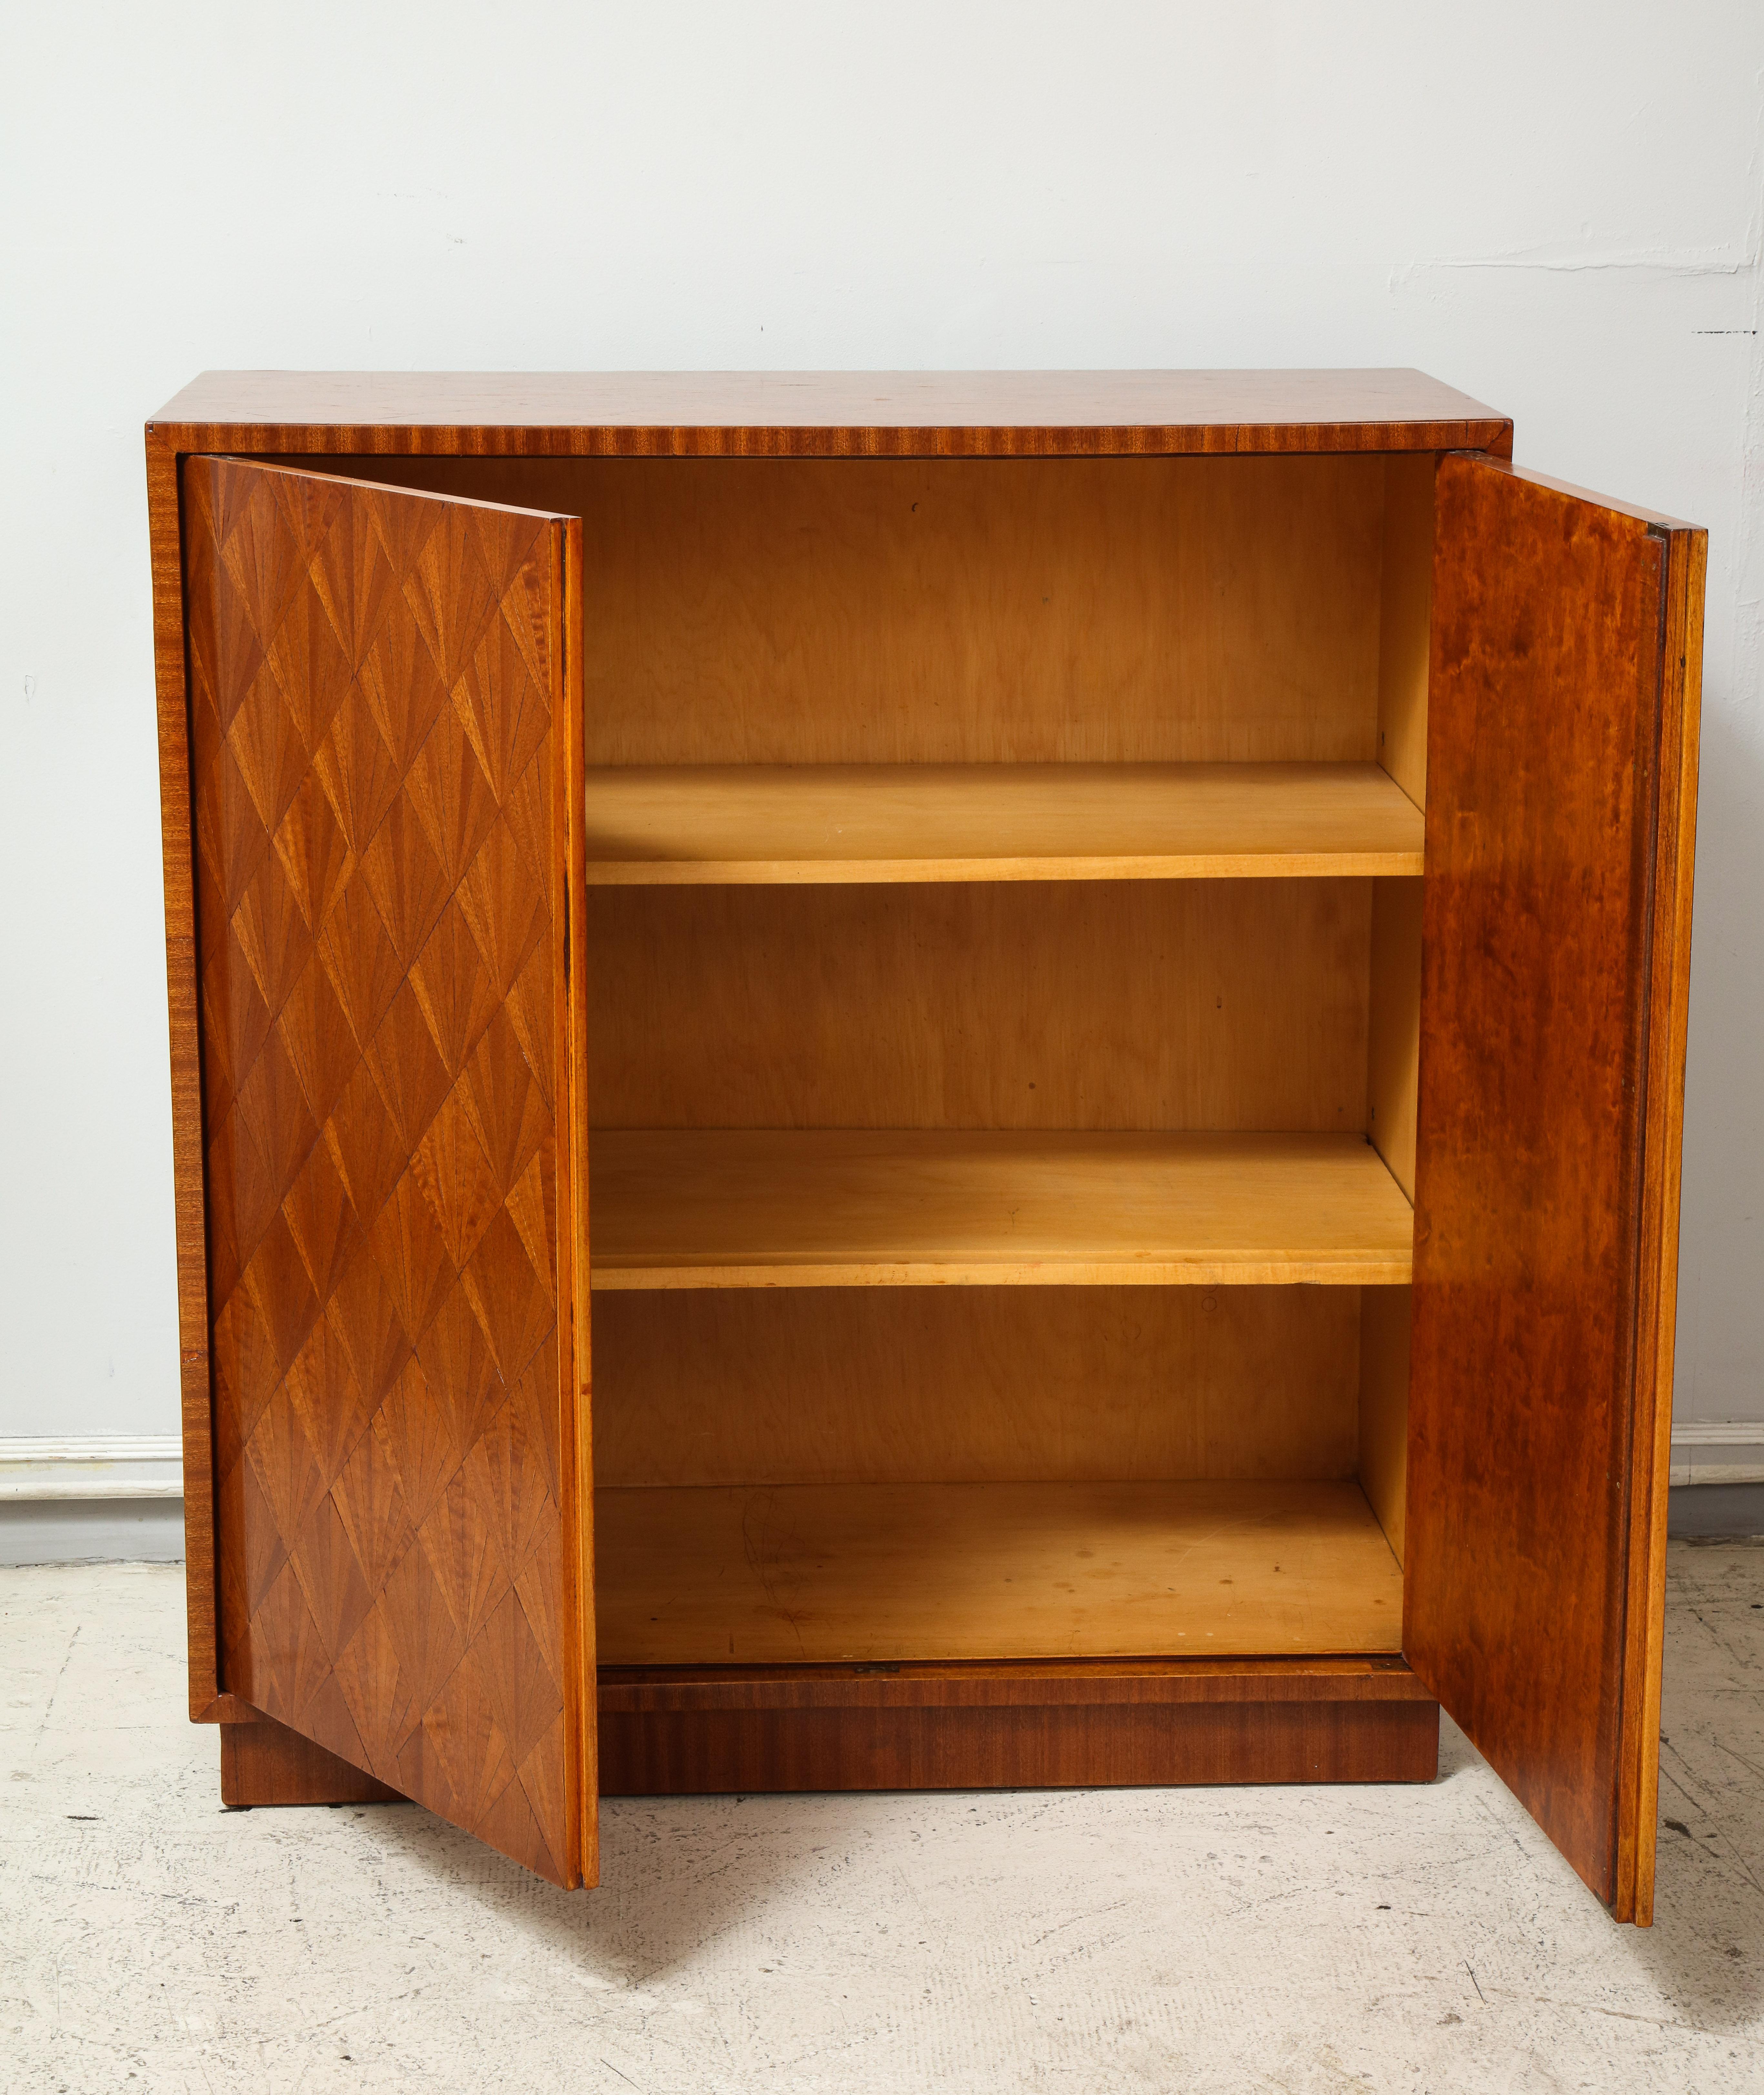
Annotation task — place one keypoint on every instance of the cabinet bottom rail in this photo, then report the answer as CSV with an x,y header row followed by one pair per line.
x,y
981,1730
681,1732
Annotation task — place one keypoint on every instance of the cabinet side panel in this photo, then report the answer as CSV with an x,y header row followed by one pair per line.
x,y
1393,1029
1404,622
373,681
1384,1420
1687,559
1544,696
177,844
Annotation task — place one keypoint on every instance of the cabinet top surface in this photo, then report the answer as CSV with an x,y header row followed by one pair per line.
x,y
827,413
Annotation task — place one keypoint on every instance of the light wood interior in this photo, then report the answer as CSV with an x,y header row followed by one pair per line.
x,y
809,1574
918,1385
915,1208
1224,1005
698,825
980,611
916,958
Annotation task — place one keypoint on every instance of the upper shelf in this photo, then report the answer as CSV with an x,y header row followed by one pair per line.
x,y
829,823
893,1207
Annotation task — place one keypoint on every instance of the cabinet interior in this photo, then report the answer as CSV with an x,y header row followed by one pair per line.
x,y
1004,915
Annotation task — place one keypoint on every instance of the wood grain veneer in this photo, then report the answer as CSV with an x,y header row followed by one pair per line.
x,y
1022,1726
208,1702
814,1574
377,688
1554,927
973,413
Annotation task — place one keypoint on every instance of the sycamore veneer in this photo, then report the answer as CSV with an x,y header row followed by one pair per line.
x,y
883,1573
735,825
909,1209
899,1385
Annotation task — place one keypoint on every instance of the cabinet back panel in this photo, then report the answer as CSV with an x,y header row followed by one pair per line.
x,y
1213,1004
939,610
824,1385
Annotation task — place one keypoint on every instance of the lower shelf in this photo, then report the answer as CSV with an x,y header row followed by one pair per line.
x,y
811,1574
684,1731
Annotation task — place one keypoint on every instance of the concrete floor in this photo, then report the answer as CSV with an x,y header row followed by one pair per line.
x,y
1301,1940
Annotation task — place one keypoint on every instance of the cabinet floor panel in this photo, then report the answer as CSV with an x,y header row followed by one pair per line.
x,y
830,1207
817,1574
651,825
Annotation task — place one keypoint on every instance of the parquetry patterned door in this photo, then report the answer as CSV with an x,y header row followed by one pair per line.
x,y
378,703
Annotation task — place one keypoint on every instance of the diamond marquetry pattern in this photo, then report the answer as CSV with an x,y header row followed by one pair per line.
x,y
370,695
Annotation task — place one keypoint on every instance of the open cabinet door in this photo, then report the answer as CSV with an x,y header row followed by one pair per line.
x,y
1562,773
385,772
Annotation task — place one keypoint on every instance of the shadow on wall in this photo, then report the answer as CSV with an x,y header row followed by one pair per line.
x,y
91,1532
1720,1330
1703,1512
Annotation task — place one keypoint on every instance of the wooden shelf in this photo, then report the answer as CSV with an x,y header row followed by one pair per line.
x,y
830,823
839,1208
825,1574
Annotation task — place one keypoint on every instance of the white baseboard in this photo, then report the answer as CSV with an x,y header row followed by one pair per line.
x,y
114,1498
117,1465
1718,1451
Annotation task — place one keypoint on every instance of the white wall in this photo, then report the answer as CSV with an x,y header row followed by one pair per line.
x,y
1555,207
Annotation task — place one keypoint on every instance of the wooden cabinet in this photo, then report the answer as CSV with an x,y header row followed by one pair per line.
x,y
919,1081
